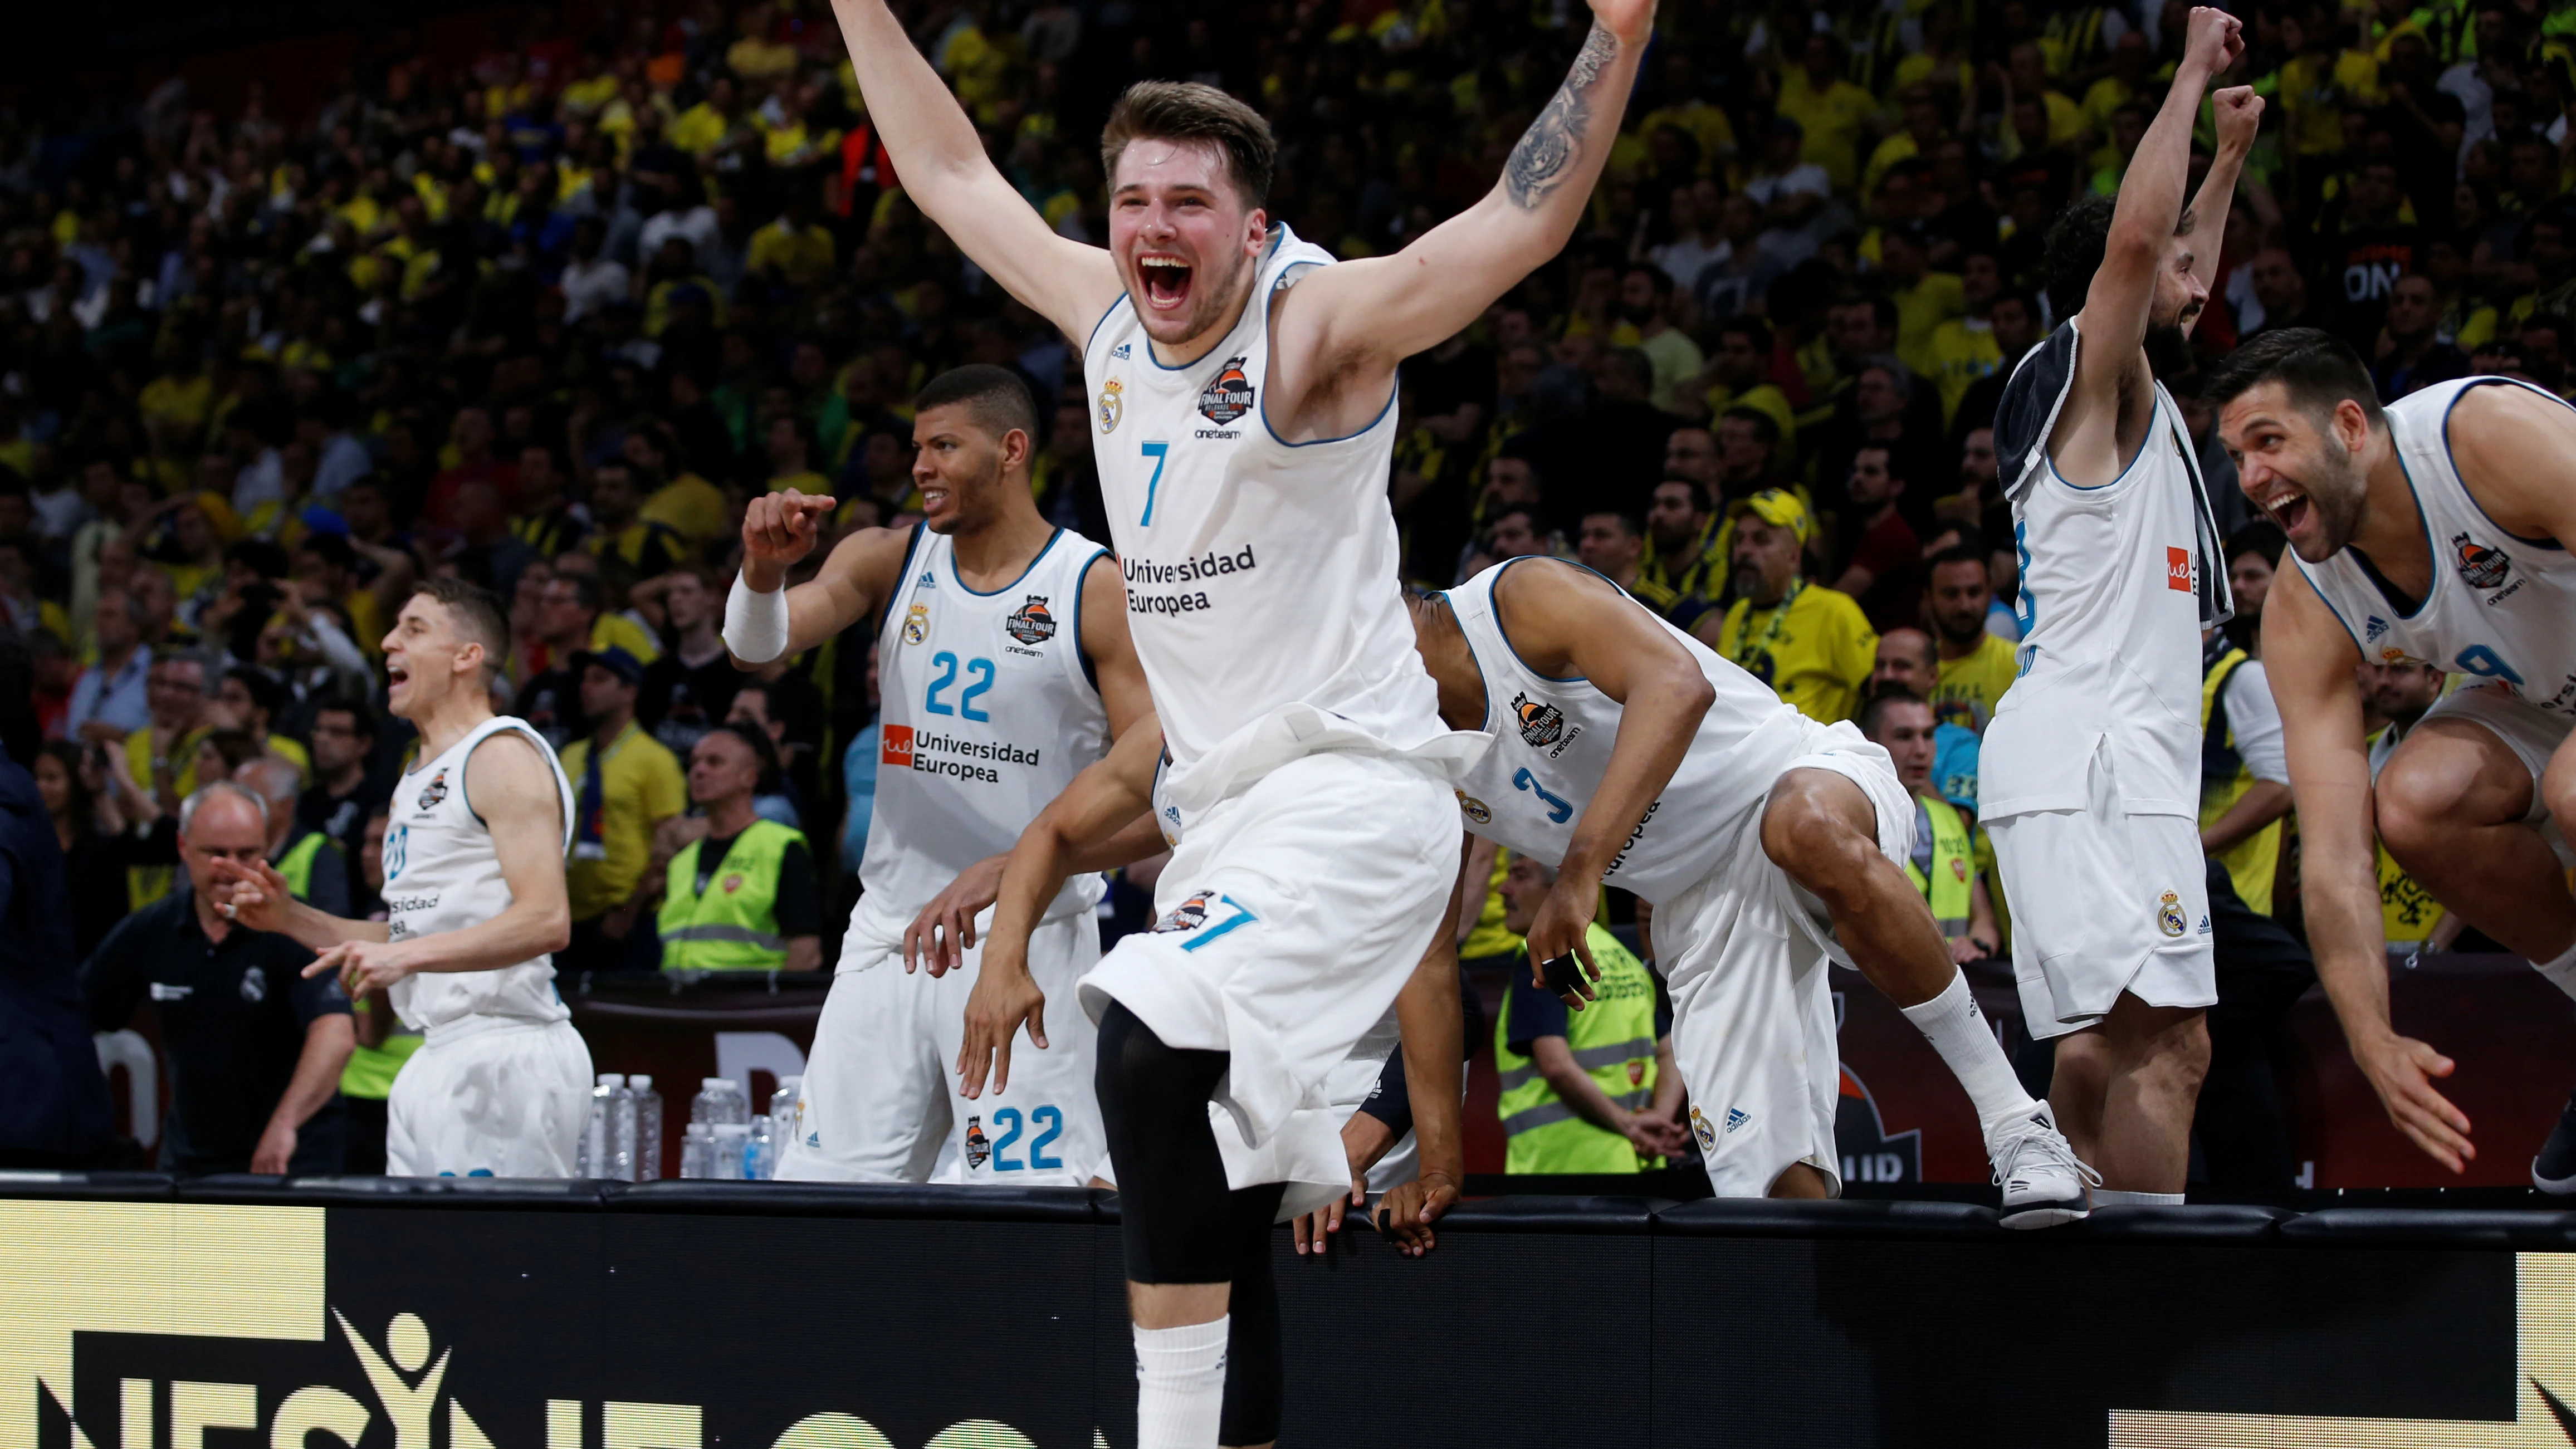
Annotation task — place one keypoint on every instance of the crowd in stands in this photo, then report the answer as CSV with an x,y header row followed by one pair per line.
x,y
548,320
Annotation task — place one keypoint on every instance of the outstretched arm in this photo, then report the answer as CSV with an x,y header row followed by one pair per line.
x,y
2086,445
765,621
1376,311
944,170
2239,113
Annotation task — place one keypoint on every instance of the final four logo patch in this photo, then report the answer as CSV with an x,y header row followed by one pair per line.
x,y
436,792
1542,724
1227,398
2480,566
1031,623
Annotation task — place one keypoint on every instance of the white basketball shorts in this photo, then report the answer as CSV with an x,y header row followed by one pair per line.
x,y
1746,953
505,1100
880,1100
2532,733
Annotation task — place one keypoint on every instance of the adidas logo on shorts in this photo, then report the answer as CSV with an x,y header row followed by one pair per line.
x,y
1736,1117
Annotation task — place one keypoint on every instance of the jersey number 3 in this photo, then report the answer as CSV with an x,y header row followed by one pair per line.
x,y
946,663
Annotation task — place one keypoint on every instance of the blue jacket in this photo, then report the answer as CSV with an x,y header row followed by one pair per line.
x,y
53,1100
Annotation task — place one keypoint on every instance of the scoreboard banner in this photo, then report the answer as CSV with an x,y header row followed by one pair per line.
x,y
248,1314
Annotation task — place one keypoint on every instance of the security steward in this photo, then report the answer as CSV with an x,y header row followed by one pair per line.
x,y
256,1050
1587,1086
1943,865
742,897
2244,772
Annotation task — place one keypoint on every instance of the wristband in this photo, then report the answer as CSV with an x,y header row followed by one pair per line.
x,y
755,624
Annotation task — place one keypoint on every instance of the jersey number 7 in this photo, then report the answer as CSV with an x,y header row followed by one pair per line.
x,y
1158,452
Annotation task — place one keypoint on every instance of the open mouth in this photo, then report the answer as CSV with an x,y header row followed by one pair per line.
x,y
1166,279
933,499
2290,510
395,675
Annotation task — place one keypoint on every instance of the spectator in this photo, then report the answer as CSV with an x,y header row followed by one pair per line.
x,y
1883,563
255,1048
1681,557
247,699
1812,645
648,549
624,784
742,896
1646,323
316,872
1977,665
162,758
1614,546
54,1108
1593,1090
690,687
69,779
2411,353
1907,664
346,790
1943,863
2245,773
112,698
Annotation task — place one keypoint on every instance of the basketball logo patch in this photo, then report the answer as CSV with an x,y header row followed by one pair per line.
x,y
436,792
2481,567
1541,723
1701,1129
1229,397
2169,917
1031,623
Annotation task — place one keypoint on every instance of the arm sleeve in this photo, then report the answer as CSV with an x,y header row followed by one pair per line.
x,y
2256,722
1389,1101
798,906
1535,1013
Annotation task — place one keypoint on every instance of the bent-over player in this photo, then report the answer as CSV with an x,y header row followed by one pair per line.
x,y
1244,387
2091,787
1003,663
474,893
2435,528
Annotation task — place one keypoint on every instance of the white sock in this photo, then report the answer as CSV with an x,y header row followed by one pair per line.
x,y
2116,1197
1180,1385
1958,1031
2560,969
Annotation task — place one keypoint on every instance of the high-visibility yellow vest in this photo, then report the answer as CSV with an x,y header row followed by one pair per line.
x,y
734,926
2407,912
2252,862
1946,889
297,864
1613,1041
371,1070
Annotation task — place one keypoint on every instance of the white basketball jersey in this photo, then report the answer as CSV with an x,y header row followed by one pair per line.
x,y
2117,582
441,874
988,711
2502,607
1552,743
1260,574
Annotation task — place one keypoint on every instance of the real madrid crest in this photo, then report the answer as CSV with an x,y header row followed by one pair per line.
x,y
916,624
1475,809
1111,405
2169,914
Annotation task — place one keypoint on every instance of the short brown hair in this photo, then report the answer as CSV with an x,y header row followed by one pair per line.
x,y
478,615
1190,111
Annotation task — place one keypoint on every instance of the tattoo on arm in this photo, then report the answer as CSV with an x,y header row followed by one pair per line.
x,y
1548,150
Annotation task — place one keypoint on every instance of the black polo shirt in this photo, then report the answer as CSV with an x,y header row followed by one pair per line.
x,y
233,1015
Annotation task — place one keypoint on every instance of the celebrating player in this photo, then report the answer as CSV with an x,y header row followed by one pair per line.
x,y
474,888
1244,395
1003,662
2092,764
2436,529
1766,843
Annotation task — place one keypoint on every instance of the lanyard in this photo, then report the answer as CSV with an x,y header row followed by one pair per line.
x,y
1746,649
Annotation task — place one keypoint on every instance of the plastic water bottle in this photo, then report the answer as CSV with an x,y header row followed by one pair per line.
x,y
697,1146
598,1141
760,1154
732,1150
648,1130
621,1132
720,1101
786,1111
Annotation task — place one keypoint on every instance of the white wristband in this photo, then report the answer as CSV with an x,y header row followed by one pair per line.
x,y
755,624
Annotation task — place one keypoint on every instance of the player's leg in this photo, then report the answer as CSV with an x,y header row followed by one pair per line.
x,y
417,1090
1254,1358
2459,804
2156,1058
875,1098
1838,842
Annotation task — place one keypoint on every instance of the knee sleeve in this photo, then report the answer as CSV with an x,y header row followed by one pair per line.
x,y
1174,1207
1253,1368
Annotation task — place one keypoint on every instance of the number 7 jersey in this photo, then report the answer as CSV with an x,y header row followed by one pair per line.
x,y
988,711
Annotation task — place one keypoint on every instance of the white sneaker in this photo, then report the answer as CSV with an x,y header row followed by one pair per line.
x,y
2043,1181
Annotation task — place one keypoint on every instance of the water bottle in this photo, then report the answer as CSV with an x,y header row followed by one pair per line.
x,y
621,1133
737,1103
598,1139
696,1147
760,1154
648,1130
786,1111
732,1148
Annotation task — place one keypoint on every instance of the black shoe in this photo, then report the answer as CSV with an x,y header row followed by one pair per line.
x,y
2554,1170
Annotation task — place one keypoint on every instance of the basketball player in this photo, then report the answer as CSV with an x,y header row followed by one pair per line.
x,y
1002,663
1244,394
474,891
2435,528
1766,843
2092,763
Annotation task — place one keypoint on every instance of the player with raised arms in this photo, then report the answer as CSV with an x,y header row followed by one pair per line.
x,y
1244,386
2092,763
2434,528
1003,664
474,895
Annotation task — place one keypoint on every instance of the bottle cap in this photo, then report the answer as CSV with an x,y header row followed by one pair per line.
x,y
611,1079
733,1129
697,1129
714,1084
640,1082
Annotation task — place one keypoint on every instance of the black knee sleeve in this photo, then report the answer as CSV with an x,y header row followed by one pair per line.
x,y
1253,1370
1173,1202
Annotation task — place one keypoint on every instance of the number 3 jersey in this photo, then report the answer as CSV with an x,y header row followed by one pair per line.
x,y
2501,607
1260,574
988,711
442,874
1552,744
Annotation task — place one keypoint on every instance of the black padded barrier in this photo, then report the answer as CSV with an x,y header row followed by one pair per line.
x,y
707,1315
